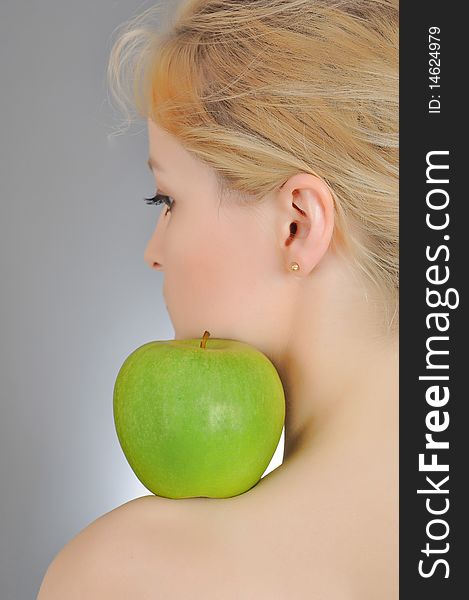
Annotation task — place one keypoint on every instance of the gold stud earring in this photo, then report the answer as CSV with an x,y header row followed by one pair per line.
x,y
294,266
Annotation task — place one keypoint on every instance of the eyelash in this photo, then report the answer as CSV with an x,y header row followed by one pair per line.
x,y
160,199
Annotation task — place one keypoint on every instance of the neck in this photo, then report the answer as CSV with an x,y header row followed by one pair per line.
x,y
342,391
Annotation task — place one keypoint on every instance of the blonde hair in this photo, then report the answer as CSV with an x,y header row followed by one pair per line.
x,y
263,89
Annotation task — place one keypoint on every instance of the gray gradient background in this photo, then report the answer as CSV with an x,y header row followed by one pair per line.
x,y
77,297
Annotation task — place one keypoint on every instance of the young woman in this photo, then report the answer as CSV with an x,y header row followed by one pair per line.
x,y
273,138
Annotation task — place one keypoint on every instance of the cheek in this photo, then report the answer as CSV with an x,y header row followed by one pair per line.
x,y
194,275
216,278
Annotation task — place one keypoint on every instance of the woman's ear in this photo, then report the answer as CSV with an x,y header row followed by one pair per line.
x,y
305,221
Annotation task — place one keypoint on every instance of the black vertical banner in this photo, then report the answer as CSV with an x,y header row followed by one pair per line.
x,y
434,241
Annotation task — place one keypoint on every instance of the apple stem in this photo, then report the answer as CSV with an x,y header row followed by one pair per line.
x,y
204,339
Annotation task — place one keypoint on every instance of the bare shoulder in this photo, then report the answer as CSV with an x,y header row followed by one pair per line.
x,y
148,548
155,548
111,554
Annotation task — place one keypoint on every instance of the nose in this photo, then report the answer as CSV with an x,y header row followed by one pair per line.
x,y
153,251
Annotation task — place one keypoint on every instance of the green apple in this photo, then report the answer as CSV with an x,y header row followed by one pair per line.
x,y
198,417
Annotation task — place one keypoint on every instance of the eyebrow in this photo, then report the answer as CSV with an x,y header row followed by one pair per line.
x,y
152,164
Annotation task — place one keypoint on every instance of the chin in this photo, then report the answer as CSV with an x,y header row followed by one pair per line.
x,y
178,335
190,333
183,334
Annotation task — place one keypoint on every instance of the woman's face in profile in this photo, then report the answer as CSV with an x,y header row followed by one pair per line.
x,y
219,261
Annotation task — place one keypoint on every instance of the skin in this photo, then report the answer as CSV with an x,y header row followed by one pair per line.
x,y
325,523
226,269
